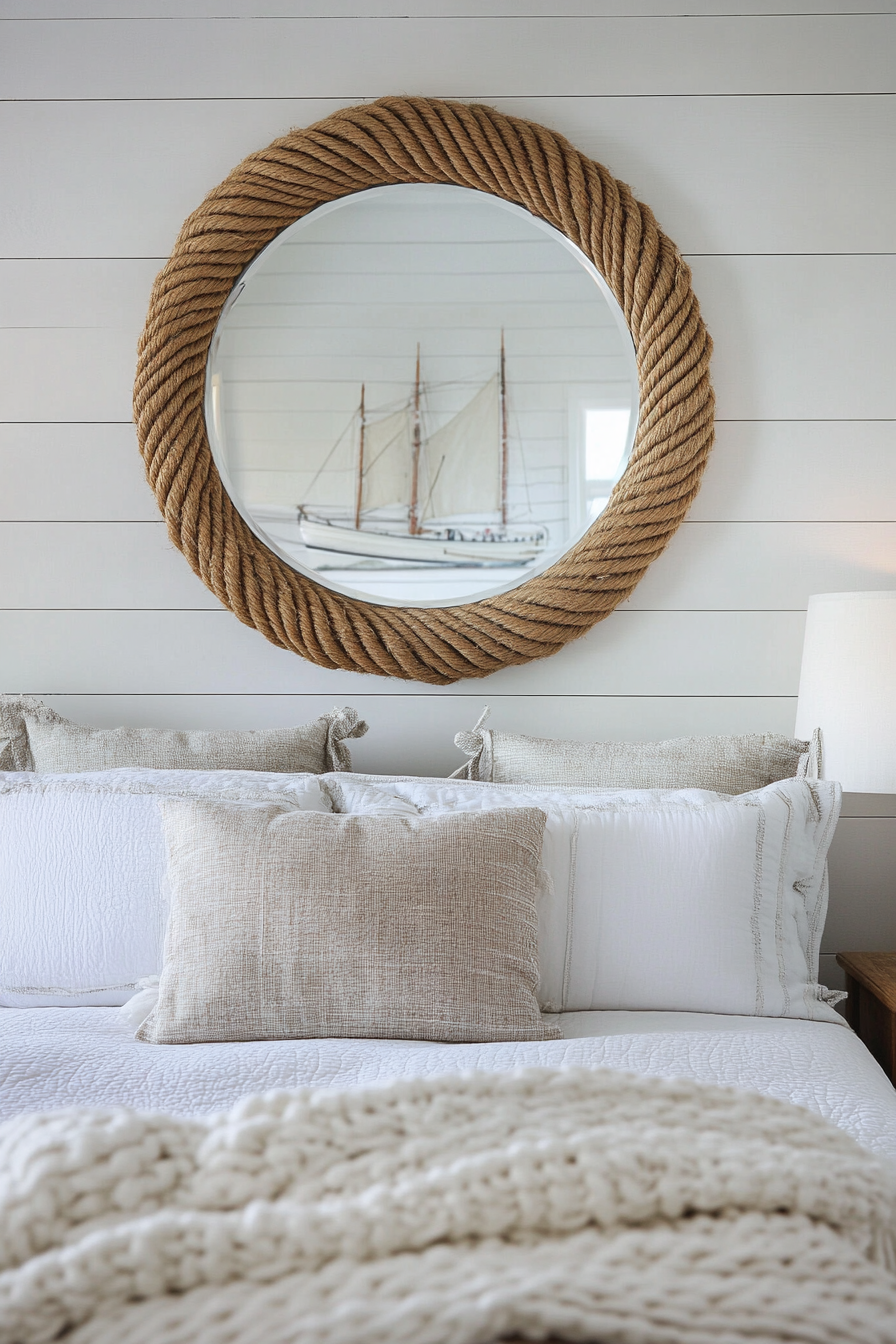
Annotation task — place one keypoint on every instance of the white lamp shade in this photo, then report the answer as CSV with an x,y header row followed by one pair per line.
x,y
848,687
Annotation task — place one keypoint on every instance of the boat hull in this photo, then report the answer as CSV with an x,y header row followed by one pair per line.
x,y
428,550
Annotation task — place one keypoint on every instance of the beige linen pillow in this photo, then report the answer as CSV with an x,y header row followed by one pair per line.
x,y
734,764
43,741
289,924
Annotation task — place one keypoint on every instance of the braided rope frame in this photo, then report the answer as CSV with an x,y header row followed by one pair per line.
x,y
392,141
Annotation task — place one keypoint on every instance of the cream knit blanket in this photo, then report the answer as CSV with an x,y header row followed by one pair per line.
x,y
584,1205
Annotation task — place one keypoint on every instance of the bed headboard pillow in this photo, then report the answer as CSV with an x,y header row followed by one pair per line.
x,y
733,764
83,895
287,924
43,741
683,900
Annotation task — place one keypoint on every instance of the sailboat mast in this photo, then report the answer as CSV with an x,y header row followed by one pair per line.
x,y
502,398
413,519
360,465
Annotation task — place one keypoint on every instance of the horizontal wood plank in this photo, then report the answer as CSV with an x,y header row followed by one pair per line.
x,y
96,565
73,472
862,913
77,291
804,338
448,57
800,338
351,9
630,653
67,373
727,566
799,471
760,471
869,805
707,567
732,174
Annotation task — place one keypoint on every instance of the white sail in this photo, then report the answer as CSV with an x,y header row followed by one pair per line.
x,y
332,485
386,480
462,468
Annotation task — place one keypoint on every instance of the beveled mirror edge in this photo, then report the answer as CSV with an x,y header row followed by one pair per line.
x,y
410,140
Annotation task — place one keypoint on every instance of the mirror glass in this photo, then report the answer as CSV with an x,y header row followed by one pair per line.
x,y
421,395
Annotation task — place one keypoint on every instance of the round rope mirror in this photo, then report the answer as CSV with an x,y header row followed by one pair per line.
x,y
424,141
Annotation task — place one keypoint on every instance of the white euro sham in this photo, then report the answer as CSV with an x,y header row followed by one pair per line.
x,y
83,894
670,900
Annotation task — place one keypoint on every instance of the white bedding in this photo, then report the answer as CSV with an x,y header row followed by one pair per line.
x,y
574,1203
60,1057
683,900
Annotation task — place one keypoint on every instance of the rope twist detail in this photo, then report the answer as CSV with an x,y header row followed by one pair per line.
x,y
398,140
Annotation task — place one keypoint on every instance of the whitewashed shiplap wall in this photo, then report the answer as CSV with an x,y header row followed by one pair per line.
x,y
764,143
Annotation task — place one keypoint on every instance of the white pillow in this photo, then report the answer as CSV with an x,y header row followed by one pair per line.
x,y
83,897
662,899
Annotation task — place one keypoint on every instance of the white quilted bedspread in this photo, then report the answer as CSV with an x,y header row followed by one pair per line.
x,y
60,1057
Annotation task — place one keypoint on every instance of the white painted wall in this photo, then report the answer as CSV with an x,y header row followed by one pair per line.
x,y
763,140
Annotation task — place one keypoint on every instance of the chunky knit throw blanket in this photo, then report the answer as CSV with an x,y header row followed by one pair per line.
x,y
570,1204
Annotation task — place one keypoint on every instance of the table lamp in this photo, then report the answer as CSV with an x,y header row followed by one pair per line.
x,y
848,688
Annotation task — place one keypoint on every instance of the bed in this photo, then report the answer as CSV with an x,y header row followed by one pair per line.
x,y
670,1135
52,1057
470,1192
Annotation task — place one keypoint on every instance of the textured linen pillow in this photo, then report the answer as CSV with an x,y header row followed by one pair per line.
x,y
287,925
83,895
684,900
735,764
42,740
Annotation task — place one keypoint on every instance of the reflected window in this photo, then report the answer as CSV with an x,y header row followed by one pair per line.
x,y
606,450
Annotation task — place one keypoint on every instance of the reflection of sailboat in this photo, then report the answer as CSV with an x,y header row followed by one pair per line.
x,y
422,498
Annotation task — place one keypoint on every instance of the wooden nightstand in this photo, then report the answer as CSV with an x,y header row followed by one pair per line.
x,y
871,1006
